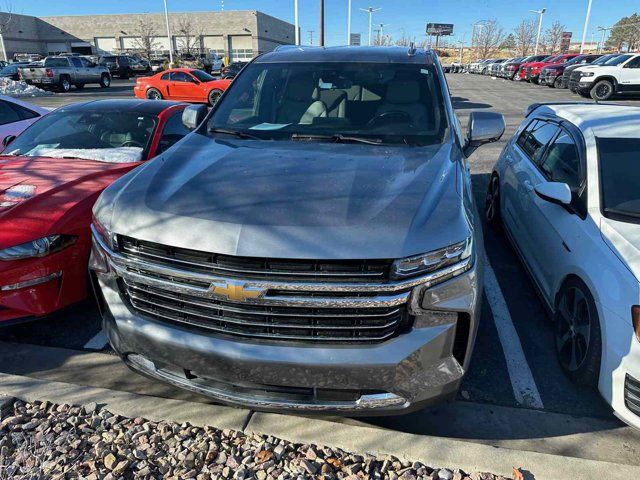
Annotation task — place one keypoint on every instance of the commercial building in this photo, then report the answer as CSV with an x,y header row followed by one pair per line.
x,y
238,35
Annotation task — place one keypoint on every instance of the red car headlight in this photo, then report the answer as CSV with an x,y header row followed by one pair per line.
x,y
38,248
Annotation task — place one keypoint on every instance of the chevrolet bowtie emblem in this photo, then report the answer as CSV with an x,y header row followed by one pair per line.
x,y
237,291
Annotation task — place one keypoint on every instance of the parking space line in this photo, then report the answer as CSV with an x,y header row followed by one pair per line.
x,y
522,382
97,342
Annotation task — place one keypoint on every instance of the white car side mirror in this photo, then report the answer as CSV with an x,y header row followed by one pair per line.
x,y
554,192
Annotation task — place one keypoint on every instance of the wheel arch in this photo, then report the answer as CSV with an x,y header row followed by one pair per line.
x,y
611,78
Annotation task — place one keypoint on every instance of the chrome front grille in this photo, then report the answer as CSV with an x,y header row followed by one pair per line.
x,y
293,300
261,321
317,270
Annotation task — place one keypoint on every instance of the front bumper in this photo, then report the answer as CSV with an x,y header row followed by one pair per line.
x,y
39,286
422,366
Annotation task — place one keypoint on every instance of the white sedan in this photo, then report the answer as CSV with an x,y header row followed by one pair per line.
x,y
16,115
566,190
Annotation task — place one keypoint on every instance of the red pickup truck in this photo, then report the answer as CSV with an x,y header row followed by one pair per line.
x,y
532,70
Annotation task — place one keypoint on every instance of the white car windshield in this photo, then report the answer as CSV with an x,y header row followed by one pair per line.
x,y
104,136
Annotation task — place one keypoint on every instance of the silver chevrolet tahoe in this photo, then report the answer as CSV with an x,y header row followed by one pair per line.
x,y
312,245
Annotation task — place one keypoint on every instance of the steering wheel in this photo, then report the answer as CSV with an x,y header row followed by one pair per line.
x,y
132,143
394,115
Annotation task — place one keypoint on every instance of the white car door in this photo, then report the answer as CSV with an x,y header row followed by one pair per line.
x,y
520,176
630,75
555,230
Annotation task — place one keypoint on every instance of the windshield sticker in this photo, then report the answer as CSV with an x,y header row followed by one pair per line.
x,y
270,126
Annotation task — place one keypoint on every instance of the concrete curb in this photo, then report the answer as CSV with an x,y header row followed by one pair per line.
x,y
437,452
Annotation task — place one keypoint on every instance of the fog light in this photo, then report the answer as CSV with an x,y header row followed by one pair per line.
x,y
31,283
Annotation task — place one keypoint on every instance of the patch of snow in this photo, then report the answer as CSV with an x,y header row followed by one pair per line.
x,y
107,155
20,89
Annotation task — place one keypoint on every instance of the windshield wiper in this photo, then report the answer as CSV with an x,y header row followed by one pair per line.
x,y
235,133
338,138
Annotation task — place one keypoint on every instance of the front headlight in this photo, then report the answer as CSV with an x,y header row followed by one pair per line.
x,y
100,230
588,74
38,248
456,254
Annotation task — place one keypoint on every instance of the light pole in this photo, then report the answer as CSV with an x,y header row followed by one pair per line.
x,y
296,19
349,24
322,23
166,19
479,23
461,42
381,32
604,31
370,11
586,26
541,13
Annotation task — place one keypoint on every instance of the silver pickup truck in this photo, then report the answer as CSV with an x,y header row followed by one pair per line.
x,y
63,72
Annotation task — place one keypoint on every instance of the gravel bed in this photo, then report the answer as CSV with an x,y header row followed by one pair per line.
x,y
41,440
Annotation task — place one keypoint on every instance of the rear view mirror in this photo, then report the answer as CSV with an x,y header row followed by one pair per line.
x,y
7,140
484,127
554,192
193,115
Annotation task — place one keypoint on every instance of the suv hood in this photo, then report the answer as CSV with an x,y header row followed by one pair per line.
x,y
292,199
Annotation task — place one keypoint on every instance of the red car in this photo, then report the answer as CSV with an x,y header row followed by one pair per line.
x,y
532,71
184,84
50,177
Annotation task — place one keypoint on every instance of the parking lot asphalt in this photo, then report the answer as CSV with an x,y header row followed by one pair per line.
x,y
118,89
513,364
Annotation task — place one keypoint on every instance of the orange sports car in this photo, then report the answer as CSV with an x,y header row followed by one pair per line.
x,y
184,84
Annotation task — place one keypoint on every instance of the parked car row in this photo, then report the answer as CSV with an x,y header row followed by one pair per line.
x,y
310,243
591,75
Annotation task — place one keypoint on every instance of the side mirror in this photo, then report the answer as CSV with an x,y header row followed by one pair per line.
x,y
484,127
193,115
7,140
554,192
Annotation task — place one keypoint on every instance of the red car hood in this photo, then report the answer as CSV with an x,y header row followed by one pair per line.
x,y
43,196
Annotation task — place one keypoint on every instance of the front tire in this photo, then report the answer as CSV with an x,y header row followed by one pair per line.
x,y
214,96
577,334
492,202
154,94
603,90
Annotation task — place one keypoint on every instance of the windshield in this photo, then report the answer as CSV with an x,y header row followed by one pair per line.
x,y
391,103
620,177
575,60
106,136
618,60
604,59
202,76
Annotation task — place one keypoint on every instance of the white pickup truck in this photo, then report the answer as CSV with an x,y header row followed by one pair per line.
x,y
619,75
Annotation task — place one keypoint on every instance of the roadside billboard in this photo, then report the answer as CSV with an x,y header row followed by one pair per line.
x,y
439,29
565,43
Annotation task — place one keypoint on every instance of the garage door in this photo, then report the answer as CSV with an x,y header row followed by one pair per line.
x,y
106,44
214,43
131,43
56,47
241,48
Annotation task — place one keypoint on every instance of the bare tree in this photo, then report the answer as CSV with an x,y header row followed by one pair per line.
x,y
145,39
189,35
525,37
404,40
489,38
6,19
552,39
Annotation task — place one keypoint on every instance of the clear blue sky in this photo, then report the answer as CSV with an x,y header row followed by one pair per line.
x,y
408,15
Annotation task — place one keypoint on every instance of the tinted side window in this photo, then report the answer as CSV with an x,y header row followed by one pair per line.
x,y
562,163
8,114
56,62
76,62
165,76
123,61
180,77
535,138
173,132
635,63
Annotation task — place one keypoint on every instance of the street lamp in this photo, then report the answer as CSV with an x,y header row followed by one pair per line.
x,y
480,24
166,19
296,20
541,13
370,11
586,26
604,31
381,32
